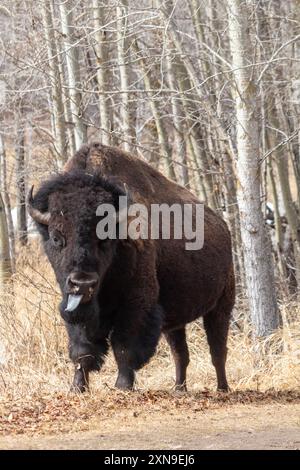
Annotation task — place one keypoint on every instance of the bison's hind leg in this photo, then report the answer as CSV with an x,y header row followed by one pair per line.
x,y
216,324
177,342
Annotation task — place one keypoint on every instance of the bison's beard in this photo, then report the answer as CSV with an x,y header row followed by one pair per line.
x,y
84,312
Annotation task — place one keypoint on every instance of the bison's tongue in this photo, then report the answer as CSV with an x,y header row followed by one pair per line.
x,y
73,302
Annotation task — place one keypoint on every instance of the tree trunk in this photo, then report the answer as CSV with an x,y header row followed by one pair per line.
x,y
56,85
6,202
232,215
20,187
198,23
5,261
125,111
281,263
71,145
199,186
101,59
73,75
257,251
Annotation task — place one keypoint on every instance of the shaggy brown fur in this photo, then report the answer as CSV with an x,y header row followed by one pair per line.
x,y
191,283
145,287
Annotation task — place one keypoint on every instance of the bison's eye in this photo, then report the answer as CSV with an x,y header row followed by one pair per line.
x,y
57,239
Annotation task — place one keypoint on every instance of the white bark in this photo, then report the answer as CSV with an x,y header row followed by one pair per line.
x,y
6,201
5,262
257,251
56,85
74,84
124,75
21,185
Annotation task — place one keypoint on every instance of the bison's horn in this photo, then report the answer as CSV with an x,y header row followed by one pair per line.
x,y
38,216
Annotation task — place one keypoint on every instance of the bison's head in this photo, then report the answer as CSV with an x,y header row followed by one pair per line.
x,y
64,209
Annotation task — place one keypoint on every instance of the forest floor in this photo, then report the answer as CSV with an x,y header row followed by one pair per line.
x,y
154,420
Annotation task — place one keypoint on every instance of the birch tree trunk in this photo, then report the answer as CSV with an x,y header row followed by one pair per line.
x,y
257,251
20,187
56,85
232,215
73,75
5,261
127,136
198,23
69,125
6,202
101,57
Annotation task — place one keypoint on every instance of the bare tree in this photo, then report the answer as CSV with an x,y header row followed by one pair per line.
x,y
60,137
257,251
73,71
5,261
21,185
101,51
122,49
6,202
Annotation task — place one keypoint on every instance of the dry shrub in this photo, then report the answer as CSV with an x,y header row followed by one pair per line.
x,y
33,346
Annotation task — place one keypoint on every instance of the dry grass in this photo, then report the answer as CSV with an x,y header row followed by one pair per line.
x,y
33,347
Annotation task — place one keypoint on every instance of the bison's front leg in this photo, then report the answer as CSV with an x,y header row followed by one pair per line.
x,y
87,352
134,340
80,382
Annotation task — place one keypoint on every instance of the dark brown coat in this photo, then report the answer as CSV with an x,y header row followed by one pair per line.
x,y
163,285
191,283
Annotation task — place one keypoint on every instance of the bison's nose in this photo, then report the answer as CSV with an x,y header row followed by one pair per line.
x,y
80,288
79,282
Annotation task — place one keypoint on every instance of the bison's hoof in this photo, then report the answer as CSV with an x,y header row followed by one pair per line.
x,y
80,383
79,388
180,388
223,389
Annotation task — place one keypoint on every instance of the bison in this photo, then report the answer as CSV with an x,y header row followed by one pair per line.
x,y
126,292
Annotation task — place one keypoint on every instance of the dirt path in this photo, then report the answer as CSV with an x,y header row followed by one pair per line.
x,y
265,426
